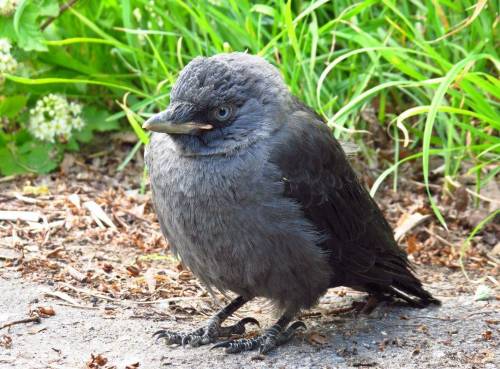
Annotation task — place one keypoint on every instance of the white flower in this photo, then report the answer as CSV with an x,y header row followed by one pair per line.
x,y
137,14
7,7
7,62
53,117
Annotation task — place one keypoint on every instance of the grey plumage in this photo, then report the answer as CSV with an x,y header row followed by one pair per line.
x,y
256,197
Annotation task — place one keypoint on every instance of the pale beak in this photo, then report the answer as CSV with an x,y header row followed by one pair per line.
x,y
158,123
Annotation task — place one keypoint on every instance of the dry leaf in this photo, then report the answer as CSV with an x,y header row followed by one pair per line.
x,y
149,277
75,200
133,270
98,214
46,311
108,268
487,335
316,338
461,198
27,216
185,275
36,190
96,361
411,244
408,224
5,341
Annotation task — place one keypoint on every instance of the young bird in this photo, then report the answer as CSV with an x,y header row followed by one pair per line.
x,y
256,197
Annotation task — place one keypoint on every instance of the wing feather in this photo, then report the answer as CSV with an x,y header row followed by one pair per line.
x,y
358,239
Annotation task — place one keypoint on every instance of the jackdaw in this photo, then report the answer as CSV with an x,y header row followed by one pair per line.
x,y
256,197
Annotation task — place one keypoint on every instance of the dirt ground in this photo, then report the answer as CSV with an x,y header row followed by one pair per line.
x,y
88,268
462,333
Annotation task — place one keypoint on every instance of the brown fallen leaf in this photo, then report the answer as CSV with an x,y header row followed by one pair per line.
x,y
96,361
133,270
487,335
5,341
412,244
108,268
46,311
316,338
55,253
132,366
461,198
185,275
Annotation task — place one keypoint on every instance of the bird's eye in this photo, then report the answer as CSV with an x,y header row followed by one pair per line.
x,y
222,113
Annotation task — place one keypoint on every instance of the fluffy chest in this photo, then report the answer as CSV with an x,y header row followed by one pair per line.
x,y
204,203
229,222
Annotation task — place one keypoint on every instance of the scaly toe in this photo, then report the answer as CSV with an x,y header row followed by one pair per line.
x,y
268,345
170,337
222,344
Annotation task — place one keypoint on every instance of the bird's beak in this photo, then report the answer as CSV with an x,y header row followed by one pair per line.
x,y
159,123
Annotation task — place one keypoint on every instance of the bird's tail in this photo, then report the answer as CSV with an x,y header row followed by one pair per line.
x,y
413,293
401,282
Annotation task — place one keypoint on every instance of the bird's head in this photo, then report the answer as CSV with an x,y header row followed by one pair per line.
x,y
223,103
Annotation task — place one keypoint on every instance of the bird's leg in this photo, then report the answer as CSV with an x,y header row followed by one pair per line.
x,y
372,301
212,330
367,306
272,337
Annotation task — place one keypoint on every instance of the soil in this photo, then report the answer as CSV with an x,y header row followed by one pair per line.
x,y
462,333
95,277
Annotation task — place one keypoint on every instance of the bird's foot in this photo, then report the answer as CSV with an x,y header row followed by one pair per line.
x,y
204,335
269,340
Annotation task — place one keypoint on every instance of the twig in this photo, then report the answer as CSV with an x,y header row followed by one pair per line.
x,y
411,222
439,238
76,274
62,9
134,215
13,215
481,313
433,318
7,179
54,252
35,319
103,297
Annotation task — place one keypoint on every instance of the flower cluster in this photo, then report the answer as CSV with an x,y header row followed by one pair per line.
x,y
7,62
54,117
150,10
7,7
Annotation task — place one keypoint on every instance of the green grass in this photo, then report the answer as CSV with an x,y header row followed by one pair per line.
x,y
428,67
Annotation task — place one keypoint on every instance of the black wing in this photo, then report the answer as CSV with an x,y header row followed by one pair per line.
x,y
360,242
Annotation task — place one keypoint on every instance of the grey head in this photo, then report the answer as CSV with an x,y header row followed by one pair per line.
x,y
222,104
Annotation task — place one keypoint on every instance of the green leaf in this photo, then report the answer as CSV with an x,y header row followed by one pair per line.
x,y
7,29
95,120
26,23
12,105
263,9
8,164
39,157
98,119
49,8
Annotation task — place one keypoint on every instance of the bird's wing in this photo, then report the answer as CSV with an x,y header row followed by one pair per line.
x,y
317,175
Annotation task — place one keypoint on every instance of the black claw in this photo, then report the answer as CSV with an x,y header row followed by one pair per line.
x,y
249,320
223,344
185,340
297,325
159,333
